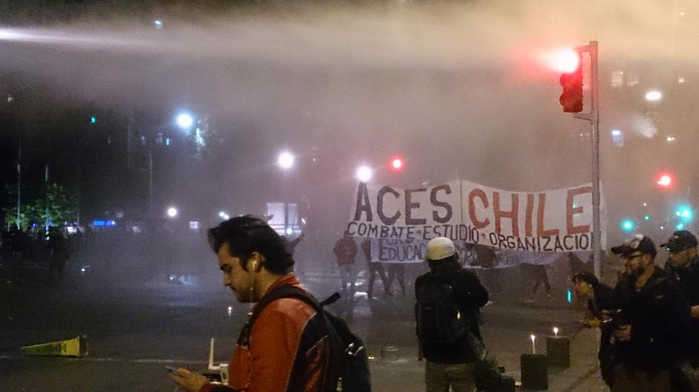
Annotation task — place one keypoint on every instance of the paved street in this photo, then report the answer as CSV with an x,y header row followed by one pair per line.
x,y
136,328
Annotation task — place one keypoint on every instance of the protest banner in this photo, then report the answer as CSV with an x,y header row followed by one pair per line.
x,y
405,219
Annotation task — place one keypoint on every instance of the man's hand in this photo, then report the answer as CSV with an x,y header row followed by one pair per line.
x,y
695,311
187,380
623,333
591,322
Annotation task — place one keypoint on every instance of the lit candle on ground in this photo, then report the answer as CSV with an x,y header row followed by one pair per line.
x,y
555,331
533,344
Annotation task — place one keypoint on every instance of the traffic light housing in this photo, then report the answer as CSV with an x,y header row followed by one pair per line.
x,y
572,83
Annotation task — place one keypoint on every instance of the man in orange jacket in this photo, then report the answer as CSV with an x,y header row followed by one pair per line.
x,y
288,347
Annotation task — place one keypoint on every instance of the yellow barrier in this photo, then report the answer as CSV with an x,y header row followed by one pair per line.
x,y
63,348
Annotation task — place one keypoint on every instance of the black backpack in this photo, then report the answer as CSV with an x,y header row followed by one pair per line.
x,y
439,320
354,375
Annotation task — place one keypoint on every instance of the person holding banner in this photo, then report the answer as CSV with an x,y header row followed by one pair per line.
x,y
487,259
374,267
396,271
346,250
536,273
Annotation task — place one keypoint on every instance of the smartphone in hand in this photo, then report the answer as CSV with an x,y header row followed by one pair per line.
x,y
170,369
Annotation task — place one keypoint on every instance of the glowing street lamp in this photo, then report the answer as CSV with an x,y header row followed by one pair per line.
x,y
172,212
654,96
364,173
285,160
184,120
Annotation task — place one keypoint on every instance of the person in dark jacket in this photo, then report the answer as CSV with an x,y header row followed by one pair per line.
x,y
683,267
600,301
650,332
451,365
599,297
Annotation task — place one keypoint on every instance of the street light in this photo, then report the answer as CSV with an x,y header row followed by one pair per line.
x,y
285,160
185,120
654,96
364,173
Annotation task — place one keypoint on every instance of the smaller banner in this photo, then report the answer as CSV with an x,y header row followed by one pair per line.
x,y
406,251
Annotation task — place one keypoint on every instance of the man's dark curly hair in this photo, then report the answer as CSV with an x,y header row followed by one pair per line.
x,y
586,277
247,234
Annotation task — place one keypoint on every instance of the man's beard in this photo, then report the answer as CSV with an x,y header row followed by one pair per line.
x,y
634,274
677,264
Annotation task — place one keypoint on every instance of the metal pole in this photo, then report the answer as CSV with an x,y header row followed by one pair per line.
x,y
150,229
78,200
46,180
593,118
596,210
150,179
19,184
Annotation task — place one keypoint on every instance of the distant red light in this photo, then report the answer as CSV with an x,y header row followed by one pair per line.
x,y
397,163
665,181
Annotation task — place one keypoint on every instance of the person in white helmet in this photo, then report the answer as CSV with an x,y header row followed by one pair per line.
x,y
448,302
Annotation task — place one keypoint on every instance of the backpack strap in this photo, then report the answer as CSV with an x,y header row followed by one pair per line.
x,y
302,295
278,293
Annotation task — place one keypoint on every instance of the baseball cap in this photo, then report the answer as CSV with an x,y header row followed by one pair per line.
x,y
637,243
440,248
680,240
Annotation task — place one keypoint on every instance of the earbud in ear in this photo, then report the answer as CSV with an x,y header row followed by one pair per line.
x,y
256,263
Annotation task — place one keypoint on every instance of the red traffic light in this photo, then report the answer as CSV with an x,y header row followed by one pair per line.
x,y
566,61
397,163
572,83
665,181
